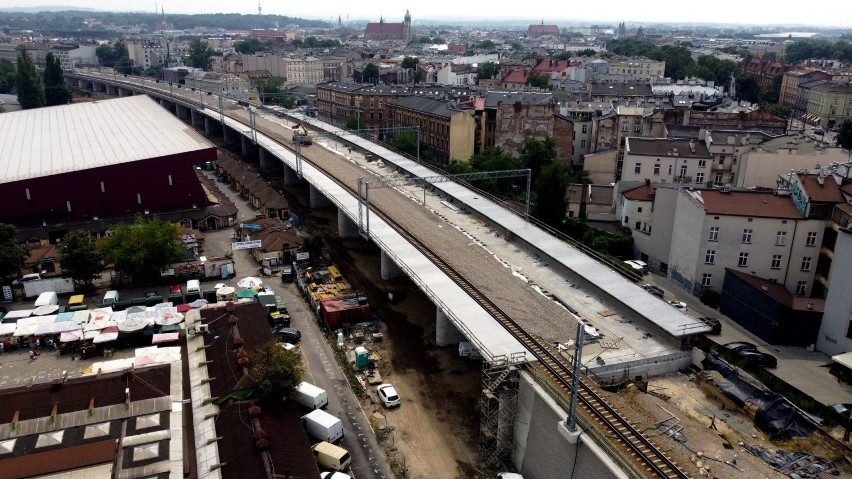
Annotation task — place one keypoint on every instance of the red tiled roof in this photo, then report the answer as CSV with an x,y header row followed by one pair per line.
x,y
543,29
548,66
747,203
640,193
515,76
827,192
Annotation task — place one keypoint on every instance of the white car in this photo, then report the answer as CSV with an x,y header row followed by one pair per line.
x,y
678,304
219,286
334,475
387,394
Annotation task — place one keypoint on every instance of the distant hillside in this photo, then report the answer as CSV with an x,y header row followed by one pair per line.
x,y
44,9
72,20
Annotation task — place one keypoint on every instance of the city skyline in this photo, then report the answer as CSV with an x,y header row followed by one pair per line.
x,y
829,14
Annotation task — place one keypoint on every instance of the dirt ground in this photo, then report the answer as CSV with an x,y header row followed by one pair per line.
x,y
689,439
435,431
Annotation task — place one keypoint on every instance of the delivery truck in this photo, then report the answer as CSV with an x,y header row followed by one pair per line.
x,y
323,426
310,396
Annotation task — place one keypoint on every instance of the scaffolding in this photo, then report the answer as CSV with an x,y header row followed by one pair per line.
x,y
498,409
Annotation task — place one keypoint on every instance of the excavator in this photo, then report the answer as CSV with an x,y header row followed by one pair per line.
x,y
300,132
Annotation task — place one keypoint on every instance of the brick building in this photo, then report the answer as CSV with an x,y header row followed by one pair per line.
x,y
389,31
447,130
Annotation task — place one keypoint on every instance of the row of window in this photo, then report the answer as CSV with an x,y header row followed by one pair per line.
x,y
801,286
710,258
780,237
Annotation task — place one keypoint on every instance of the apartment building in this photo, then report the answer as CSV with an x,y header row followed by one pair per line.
x,y
337,102
306,70
218,83
447,131
663,160
640,69
792,95
829,103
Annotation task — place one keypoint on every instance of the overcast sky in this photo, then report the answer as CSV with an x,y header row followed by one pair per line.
x,y
825,12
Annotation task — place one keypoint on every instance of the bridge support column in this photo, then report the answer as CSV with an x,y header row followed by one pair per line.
x,y
227,134
346,228
81,84
290,176
208,126
266,159
317,199
197,117
446,332
121,92
389,269
111,90
97,86
182,111
247,148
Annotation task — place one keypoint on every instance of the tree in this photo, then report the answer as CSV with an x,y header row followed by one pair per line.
x,y
79,256
410,62
143,248
370,74
551,203
200,54
276,371
55,90
250,46
114,56
312,243
405,142
586,52
353,123
747,87
494,159
535,153
12,252
485,45
486,71
844,135
29,85
7,76
538,80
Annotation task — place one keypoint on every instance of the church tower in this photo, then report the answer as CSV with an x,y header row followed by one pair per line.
x,y
406,27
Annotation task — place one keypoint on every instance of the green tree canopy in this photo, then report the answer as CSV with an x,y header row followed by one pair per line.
x,y
370,74
550,201
485,45
802,50
747,87
143,248
200,54
538,80
79,256
486,71
312,243
28,83
313,42
678,60
844,135
114,56
12,252
494,159
7,76
353,123
536,153
250,46
276,371
55,90
586,52
406,142
410,62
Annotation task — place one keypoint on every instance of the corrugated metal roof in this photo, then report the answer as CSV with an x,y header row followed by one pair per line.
x,y
61,139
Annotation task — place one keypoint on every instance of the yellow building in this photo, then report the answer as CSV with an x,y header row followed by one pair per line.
x,y
829,103
447,131
640,68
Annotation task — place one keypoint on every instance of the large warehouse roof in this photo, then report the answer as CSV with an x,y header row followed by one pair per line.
x,y
61,139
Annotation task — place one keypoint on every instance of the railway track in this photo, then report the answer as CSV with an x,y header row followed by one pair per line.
x,y
635,447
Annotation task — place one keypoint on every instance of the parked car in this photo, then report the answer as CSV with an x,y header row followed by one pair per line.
x,y
758,359
288,335
740,346
678,304
655,290
819,131
388,395
175,289
715,325
640,267
334,475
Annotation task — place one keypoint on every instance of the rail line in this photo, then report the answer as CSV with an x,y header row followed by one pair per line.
x,y
643,454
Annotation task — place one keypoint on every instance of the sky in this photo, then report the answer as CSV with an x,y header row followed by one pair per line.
x,y
744,12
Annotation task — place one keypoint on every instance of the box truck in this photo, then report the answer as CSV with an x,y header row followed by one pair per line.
x,y
310,396
323,426
57,285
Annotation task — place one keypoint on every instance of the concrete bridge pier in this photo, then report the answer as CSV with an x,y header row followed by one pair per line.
x,y
317,199
211,127
98,87
111,90
197,117
388,268
122,92
227,135
82,84
446,333
247,148
290,176
346,228
181,111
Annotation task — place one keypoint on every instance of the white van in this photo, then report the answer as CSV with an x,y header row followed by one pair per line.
x,y
330,456
46,298
110,297
193,286
323,425
310,396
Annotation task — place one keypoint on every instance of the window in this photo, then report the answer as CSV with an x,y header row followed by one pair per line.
x,y
702,163
781,238
776,261
743,262
801,288
806,263
747,236
710,256
585,128
639,209
670,169
638,168
637,128
714,234
811,241
683,170
705,279
657,169
699,177
638,225
624,127
582,143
